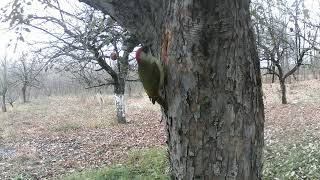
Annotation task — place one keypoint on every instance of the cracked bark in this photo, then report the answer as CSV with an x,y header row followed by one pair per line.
x,y
215,111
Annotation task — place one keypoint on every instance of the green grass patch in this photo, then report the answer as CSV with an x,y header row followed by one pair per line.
x,y
298,159
142,165
23,176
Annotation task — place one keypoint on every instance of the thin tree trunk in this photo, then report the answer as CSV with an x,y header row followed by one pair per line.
x,y
314,73
314,65
24,93
3,103
4,83
129,89
123,63
287,67
283,91
282,79
273,75
119,102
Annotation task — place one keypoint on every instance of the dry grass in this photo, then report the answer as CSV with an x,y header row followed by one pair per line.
x,y
57,135
65,113
298,92
297,118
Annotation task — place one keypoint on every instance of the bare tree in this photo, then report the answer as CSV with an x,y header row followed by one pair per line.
x,y
4,84
87,38
12,96
25,72
283,38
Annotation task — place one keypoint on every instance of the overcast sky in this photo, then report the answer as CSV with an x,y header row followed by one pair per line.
x,y
34,35
6,35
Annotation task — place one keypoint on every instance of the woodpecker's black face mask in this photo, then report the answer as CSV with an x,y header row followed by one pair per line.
x,y
146,49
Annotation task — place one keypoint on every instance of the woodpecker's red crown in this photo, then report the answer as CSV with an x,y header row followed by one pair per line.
x,y
138,54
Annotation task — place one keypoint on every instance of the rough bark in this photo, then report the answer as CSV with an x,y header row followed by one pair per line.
x,y
213,88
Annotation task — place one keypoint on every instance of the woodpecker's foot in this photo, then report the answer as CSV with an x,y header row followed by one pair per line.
x,y
153,100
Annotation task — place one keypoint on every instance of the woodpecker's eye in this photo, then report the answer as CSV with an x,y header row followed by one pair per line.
x,y
146,49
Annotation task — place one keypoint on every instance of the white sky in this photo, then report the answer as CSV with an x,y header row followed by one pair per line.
x,y
6,35
34,35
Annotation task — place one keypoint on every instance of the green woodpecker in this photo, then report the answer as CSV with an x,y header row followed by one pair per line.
x,y
151,74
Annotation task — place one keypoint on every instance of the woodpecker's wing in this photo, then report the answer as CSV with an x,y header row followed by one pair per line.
x,y
160,68
150,75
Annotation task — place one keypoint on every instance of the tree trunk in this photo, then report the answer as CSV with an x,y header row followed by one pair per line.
x,y
213,91
283,91
314,65
119,102
3,103
287,66
24,93
298,74
273,75
129,90
215,118
4,83
129,43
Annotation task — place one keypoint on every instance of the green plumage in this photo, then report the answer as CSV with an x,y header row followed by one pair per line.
x,y
151,75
